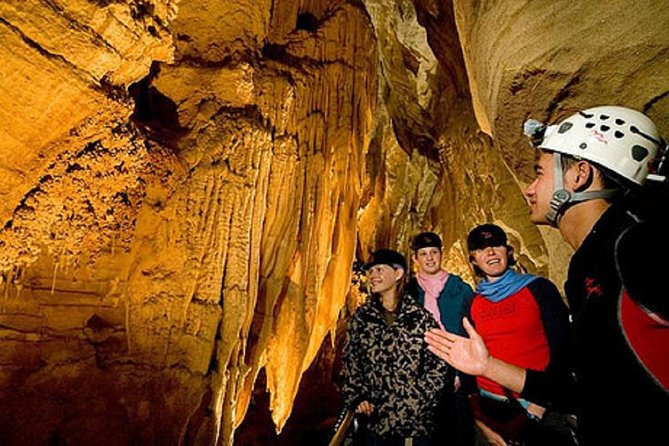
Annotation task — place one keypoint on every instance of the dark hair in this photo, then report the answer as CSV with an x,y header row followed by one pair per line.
x,y
426,240
610,180
486,235
388,257
402,284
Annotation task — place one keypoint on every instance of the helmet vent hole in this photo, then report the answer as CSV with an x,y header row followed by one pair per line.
x,y
583,146
620,121
565,127
639,152
618,134
589,125
604,117
604,128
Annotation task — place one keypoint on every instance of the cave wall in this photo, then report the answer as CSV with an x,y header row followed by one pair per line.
x,y
552,58
186,184
192,224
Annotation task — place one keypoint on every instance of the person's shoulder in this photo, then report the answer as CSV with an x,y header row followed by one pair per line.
x,y
622,216
640,271
457,280
644,236
546,293
411,306
542,281
542,285
363,309
453,276
633,245
413,288
409,303
363,316
458,283
650,203
614,221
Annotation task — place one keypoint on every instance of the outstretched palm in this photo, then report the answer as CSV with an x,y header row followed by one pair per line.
x,y
468,355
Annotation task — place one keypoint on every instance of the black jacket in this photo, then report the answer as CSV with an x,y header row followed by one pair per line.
x,y
621,402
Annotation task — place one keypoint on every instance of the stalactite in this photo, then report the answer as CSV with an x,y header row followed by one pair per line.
x,y
55,274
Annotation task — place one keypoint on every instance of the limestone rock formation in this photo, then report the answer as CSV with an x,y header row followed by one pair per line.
x,y
186,184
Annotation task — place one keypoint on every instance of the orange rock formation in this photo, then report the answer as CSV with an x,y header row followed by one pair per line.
x,y
186,184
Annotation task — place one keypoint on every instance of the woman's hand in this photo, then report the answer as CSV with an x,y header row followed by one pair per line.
x,y
365,407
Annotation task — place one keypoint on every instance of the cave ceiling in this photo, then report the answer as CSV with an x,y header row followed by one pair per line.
x,y
185,185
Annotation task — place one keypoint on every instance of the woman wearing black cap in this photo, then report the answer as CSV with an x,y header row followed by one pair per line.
x,y
522,322
448,298
388,373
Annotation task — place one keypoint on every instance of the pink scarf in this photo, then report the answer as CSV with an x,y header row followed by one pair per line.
x,y
432,285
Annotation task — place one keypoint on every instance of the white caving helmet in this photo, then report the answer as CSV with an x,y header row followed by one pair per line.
x,y
618,139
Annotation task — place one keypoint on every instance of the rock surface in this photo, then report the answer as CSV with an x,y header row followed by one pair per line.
x,y
185,185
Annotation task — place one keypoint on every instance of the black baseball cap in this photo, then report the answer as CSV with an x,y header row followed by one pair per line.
x,y
426,240
486,235
386,257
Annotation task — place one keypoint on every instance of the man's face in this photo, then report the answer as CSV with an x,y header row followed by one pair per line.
x,y
428,260
540,191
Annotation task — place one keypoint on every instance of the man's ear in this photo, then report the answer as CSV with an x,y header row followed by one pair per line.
x,y
584,174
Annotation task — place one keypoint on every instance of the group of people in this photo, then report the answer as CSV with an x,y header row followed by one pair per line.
x,y
427,358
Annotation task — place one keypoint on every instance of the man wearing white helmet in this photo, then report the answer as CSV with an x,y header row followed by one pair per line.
x,y
589,166
590,174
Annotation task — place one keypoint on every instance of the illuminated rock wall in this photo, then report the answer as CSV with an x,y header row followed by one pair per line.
x,y
186,184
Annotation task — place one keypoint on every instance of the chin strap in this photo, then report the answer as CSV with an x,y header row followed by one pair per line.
x,y
563,199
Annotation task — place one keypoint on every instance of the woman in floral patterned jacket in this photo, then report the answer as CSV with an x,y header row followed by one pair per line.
x,y
388,373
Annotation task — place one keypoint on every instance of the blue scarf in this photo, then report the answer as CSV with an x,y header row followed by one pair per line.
x,y
507,284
